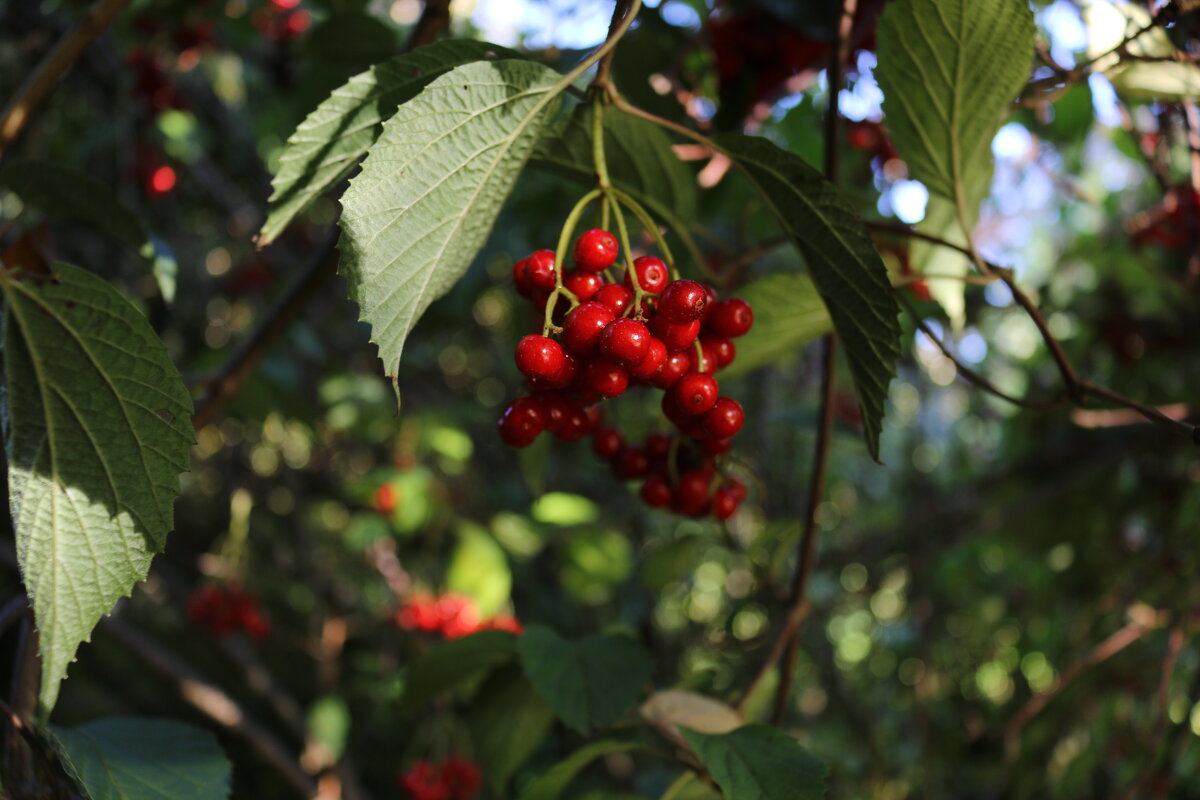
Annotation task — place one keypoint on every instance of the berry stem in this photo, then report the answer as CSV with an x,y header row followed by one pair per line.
x,y
623,233
649,224
598,160
701,361
560,255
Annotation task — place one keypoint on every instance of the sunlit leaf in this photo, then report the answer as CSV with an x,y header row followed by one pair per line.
x,y
759,762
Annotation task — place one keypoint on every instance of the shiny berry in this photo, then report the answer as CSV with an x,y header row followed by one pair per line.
x,y
724,504
583,285
691,493
675,367
576,426
631,463
651,363
682,301
725,418
541,270
615,296
595,250
556,408
566,373
522,421
711,294
539,356
723,350
583,326
675,336
708,362
651,273
696,392
521,278
607,442
656,492
715,447
606,378
671,409
625,341
731,318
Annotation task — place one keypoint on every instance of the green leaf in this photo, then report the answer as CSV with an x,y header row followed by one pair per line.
x,y
60,191
125,758
508,721
332,140
639,157
451,662
589,683
479,569
1108,25
759,762
941,221
788,313
949,70
431,187
554,781
842,260
97,430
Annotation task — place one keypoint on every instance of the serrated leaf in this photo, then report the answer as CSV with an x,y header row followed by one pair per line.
x,y
788,313
431,187
590,682
949,70
551,784
842,261
759,762
126,758
97,430
332,140
451,662
61,191
508,721
639,157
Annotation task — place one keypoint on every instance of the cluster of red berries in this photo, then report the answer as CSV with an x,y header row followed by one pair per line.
x,y
456,778
222,609
673,335
450,616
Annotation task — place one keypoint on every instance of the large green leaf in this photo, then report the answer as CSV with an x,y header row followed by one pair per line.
x,y
590,682
97,431
431,187
758,762
788,313
842,260
949,70
508,721
639,157
125,758
554,780
454,661
332,140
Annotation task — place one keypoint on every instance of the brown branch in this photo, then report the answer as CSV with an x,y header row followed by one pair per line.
x,y
434,21
1074,387
212,702
603,77
54,65
226,382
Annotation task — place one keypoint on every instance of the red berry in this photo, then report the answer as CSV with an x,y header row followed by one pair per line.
x,y
577,425
582,284
541,270
708,363
384,499
652,274
566,373
671,409
736,488
723,350
631,463
675,367
651,363
920,290
711,294
725,418
731,318
606,378
607,442
675,337
556,408
462,776
595,250
656,492
522,279
682,301
522,421
625,341
615,296
584,325
715,447
691,493
696,392
657,445
724,503
539,356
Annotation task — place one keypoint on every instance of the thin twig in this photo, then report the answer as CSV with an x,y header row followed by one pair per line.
x,y
603,77
53,66
433,22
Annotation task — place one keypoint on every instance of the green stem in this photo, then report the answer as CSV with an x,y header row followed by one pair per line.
x,y
609,44
560,257
623,234
701,361
598,159
650,225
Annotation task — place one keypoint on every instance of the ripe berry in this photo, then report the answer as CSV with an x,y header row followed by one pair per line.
x,y
615,296
724,503
566,373
691,493
582,284
577,425
652,274
607,442
715,447
651,363
606,378
521,422
584,325
711,294
675,367
736,488
657,446
521,278
708,363
595,250
541,270
384,499
731,318
682,301
723,350
539,356
656,492
675,336
625,341
725,418
556,408
671,409
696,392
631,463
